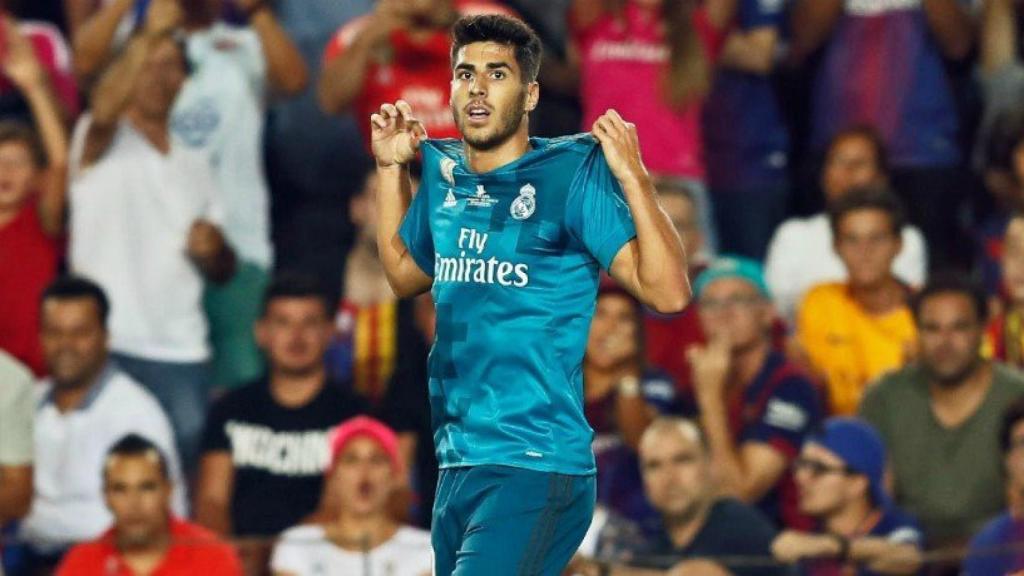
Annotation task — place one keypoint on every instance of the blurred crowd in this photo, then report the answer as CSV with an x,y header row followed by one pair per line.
x,y
203,369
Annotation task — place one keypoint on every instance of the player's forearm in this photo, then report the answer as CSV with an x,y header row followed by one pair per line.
x,y
885,557
394,196
94,38
661,261
286,70
752,52
111,95
951,25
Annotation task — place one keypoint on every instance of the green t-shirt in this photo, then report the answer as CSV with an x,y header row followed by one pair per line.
x,y
949,478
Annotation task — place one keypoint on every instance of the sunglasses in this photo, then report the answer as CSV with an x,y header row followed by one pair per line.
x,y
818,468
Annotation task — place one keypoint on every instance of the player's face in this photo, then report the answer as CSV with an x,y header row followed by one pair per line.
x,y
867,245
949,337
676,473
683,215
74,340
823,483
1013,260
1014,459
17,170
363,478
489,97
295,333
851,163
160,80
613,332
139,498
733,309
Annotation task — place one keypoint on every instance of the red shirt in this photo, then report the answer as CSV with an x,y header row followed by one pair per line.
x,y
418,72
195,551
28,263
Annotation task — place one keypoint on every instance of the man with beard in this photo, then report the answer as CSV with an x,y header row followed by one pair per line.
x,y
940,417
265,446
146,538
510,233
697,526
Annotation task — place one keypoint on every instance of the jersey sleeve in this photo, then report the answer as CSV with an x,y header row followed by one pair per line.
x,y
597,214
788,416
415,230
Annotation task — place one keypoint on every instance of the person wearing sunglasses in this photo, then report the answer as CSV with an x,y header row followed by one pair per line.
x,y
839,478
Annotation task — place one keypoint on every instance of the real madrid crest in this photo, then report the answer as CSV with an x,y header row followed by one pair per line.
x,y
448,170
524,205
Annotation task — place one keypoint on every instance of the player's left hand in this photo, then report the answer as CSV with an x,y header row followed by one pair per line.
x,y
792,546
620,145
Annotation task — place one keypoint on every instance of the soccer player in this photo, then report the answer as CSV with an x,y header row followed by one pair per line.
x,y
509,232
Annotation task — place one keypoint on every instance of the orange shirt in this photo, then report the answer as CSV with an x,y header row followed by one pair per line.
x,y
194,550
849,346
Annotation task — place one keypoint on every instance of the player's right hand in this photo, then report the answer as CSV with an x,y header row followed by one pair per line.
x,y
395,134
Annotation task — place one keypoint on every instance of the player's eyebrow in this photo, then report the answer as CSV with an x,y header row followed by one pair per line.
x,y
489,66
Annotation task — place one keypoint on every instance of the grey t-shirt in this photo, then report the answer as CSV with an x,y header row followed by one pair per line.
x,y
949,478
1003,92
17,408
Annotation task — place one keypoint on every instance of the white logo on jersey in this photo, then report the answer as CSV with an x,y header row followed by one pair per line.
x,y
448,170
482,199
449,200
524,205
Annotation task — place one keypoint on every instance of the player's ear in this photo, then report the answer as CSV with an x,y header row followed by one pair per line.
x,y
532,96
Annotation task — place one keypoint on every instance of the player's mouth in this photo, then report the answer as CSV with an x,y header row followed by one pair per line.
x,y
477,114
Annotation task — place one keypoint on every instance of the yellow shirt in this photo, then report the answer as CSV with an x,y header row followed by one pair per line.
x,y
848,346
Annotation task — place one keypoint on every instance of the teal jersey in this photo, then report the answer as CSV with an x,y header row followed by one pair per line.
x,y
514,254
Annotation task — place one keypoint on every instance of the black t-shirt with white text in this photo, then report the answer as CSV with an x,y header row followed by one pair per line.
x,y
280,454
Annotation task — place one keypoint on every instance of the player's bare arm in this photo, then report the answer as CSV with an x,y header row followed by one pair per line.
x,y
652,265
395,136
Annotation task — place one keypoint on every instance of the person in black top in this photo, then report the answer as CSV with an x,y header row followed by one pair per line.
x,y
700,533
265,446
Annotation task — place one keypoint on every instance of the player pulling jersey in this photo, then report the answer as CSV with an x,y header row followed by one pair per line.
x,y
514,254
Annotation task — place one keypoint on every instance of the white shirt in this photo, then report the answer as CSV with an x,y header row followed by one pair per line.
x,y
305,551
220,113
131,213
70,449
800,255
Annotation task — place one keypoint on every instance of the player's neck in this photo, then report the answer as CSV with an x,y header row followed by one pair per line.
x,y
293,389
509,151
851,520
361,532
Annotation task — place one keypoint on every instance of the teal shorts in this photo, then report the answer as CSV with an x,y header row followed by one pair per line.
x,y
505,521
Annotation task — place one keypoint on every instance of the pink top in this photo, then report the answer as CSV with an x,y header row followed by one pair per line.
x,y
622,59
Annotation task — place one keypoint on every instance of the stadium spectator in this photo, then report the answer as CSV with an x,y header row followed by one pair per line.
x,y
265,446
698,529
995,549
840,476
746,140
1003,175
940,416
89,404
51,51
146,537
801,252
666,337
622,394
852,332
371,323
653,62
1001,70
756,407
883,66
220,112
145,223
401,51
360,536
32,182
17,411
1005,335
